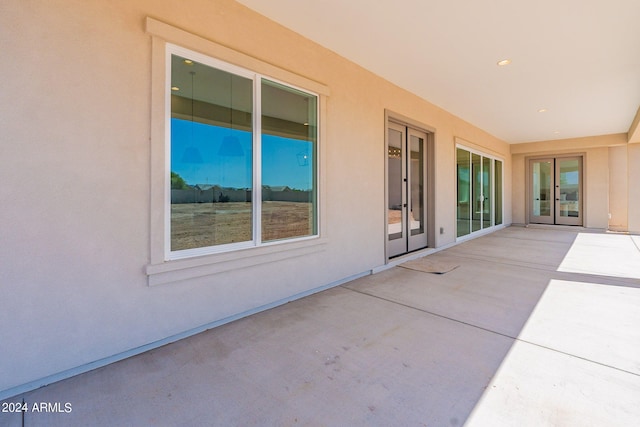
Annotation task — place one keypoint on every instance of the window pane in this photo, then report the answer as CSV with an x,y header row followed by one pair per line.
x,y
394,170
569,205
416,169
476,192
486,192
289,162
542,188
211,156
498,191
464,196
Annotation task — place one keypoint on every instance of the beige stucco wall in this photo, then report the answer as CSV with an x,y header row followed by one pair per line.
x,y
604,176
75,170
618,188
518,183
634,187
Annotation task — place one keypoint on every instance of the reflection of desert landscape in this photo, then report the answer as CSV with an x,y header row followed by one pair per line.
x,y
195,225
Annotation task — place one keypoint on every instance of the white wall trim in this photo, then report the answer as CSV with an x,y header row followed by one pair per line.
x,y
190,268
175,35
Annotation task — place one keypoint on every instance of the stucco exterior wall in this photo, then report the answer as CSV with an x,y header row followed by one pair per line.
x,y
634,187
597,188
518,182
618,188
75,164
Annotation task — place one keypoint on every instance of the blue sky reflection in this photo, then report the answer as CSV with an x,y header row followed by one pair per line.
x,y
204,154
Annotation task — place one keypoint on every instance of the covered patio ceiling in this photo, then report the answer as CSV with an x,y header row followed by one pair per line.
x,y
574,70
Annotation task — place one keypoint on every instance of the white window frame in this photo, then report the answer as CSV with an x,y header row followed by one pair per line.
x,y
257,81
166,266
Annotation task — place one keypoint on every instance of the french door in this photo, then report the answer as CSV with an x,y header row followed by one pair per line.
x,y
556,191
406,190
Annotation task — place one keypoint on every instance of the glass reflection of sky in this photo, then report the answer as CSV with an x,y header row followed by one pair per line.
x,y
570,177
199,158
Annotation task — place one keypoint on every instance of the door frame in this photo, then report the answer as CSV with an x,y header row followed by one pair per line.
x,y
555,191
394,119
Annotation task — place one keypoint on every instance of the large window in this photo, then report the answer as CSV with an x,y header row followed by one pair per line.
x,y
479,192
242,152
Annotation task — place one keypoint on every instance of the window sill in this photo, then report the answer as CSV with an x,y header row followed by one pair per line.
x,y
191,268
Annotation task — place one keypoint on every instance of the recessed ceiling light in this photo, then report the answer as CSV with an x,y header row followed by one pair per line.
x,y
175,88
556,133
542,110
504,62
188,61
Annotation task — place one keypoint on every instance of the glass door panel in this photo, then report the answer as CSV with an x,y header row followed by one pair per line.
x,y
497,198
568,200
486,192
542,191
395,182
476,192
416,189
463,171
416,173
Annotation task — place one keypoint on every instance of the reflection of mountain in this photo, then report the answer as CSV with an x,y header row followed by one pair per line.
x,y
206,193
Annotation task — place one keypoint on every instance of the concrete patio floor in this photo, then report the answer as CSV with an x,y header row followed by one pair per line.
x,y
536,327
